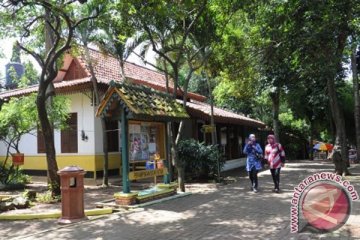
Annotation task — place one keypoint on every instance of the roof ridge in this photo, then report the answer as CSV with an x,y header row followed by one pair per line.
x,y
127,62
226,110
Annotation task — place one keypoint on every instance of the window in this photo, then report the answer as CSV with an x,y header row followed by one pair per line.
x,y
112,129
40,141
69,138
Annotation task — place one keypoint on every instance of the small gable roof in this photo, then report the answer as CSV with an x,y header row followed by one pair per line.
x,y
140,102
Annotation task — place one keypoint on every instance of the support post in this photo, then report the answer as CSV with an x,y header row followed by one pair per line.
x,y
168,177
125,151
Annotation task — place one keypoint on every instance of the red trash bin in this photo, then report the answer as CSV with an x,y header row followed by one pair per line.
x,y
72,194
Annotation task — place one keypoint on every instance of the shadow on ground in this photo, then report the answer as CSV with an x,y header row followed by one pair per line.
x,y
222,212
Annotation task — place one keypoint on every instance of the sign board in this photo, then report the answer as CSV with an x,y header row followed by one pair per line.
x,y
147,173
208,128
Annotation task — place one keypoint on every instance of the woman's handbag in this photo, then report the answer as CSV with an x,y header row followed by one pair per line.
x,y
261,158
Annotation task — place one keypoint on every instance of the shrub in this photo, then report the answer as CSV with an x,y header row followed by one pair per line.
x,y
47,197
10,175
200,160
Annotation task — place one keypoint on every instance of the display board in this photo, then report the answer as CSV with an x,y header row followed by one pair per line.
x,y
143,141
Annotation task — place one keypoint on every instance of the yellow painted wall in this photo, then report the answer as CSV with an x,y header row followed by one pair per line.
x,y
38,162
91,163
87,162
114,161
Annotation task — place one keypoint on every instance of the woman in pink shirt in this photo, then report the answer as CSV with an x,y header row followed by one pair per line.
x,y
275,155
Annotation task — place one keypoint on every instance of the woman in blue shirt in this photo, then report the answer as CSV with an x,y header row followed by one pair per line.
x,y
253,162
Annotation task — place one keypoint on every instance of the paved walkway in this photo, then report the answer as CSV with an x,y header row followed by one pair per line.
x,y
214,212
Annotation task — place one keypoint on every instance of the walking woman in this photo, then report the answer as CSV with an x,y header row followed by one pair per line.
x,y
275,155
253,162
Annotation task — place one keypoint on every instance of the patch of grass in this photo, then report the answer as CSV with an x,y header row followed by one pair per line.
x,y
47,197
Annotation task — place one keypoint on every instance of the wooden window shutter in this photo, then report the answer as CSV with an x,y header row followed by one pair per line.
x,y
69,135
112,135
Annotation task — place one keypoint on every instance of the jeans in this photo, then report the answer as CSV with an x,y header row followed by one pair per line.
x,y
253,177
275,173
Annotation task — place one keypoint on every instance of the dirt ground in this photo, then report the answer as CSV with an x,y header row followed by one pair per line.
x,y
94,193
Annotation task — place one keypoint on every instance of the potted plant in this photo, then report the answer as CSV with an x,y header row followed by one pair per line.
x,y
17,159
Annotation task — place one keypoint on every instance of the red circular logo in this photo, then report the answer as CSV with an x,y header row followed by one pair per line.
x,y
326,206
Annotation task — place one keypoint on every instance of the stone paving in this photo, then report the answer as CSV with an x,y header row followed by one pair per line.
x,y
214,211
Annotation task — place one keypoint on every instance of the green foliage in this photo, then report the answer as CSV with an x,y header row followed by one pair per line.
x,y
16,119
30,77
19,117
13,75
47,197
325,136
295,132
10,175
346,99
288,119
15,57
201,161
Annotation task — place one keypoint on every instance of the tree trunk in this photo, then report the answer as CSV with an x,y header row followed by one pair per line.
x,y
275,98
105,181
169,128
46,126
174,152
175,140
311,151
212,121
48,133
338,117
356,97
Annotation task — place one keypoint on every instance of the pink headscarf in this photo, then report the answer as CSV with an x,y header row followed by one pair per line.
x,y
272,137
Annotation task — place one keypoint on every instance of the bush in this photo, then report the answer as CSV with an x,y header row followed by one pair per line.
x,y
47,197
10,175
200,160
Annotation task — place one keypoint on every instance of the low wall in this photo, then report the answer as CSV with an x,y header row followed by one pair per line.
x,y
234,163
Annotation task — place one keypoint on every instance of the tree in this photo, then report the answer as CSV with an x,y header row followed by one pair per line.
x,y
31,75
296,43
356,89
86,34
171,27
19,117
15,57
28,19
321,41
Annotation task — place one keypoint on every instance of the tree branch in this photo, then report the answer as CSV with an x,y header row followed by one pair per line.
x,y
146,62
87,18
33,54
153,43
27,26
187,31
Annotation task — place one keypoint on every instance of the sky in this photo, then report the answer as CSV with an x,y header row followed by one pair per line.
x,y
5,55
6,50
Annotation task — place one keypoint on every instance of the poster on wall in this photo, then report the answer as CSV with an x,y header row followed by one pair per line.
x,y
135,146
144,146
152,148
142,141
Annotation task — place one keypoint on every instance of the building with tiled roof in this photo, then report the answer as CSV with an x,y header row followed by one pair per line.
x,y
81,143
